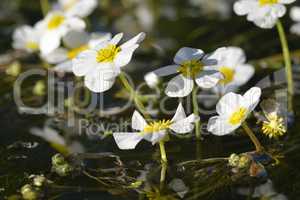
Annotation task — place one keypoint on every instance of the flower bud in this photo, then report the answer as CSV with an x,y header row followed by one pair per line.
x,y
234,160
30,193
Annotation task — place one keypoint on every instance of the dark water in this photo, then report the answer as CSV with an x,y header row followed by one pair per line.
x,y
191,172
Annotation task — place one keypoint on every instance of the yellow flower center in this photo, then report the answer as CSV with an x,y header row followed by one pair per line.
x,y
267,2
238,116
228,74
157,126
74,52
55,21
191,68
32,45
274,127
107,54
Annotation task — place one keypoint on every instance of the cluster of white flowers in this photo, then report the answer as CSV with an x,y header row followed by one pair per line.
x,y
45,36
62,41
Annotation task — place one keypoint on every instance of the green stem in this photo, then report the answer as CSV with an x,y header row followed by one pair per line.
x,y
163,154
253,138
163,173
44,6
286,56
196,112
136,97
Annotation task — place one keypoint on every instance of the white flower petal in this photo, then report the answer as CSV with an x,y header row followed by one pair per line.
x,y
167,70
219,126
295,13
187,53
243,7
127,140
138,122
243,73
84,62
99,80
252,97
229,57
179,86
97,38
184,125
64,67
133,41
50,41
75,23
116,39
56,56
124,57
208,79
228,103
74,39
179,114
81,8
267,16
157,136
286,1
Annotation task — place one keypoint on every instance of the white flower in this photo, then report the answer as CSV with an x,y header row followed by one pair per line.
x,y
295,15
154,131
233,109
231,63
192,65
75,42
54,26
26,38
80,8
264,13
102,64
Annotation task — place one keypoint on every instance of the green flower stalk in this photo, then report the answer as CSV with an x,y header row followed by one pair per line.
x,y
196,113
286,56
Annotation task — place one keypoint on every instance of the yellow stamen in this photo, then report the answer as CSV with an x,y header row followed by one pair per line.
x,y
228,74
267,2
74,52
274,127
55,21
32,45
107,54
238,116
191,68
157,126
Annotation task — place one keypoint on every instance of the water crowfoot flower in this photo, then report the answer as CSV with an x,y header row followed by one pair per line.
x,y
264,13
75,43
233,109
295,15
232,64
155,131
26,38
54,26
102,64
191,65
272,124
